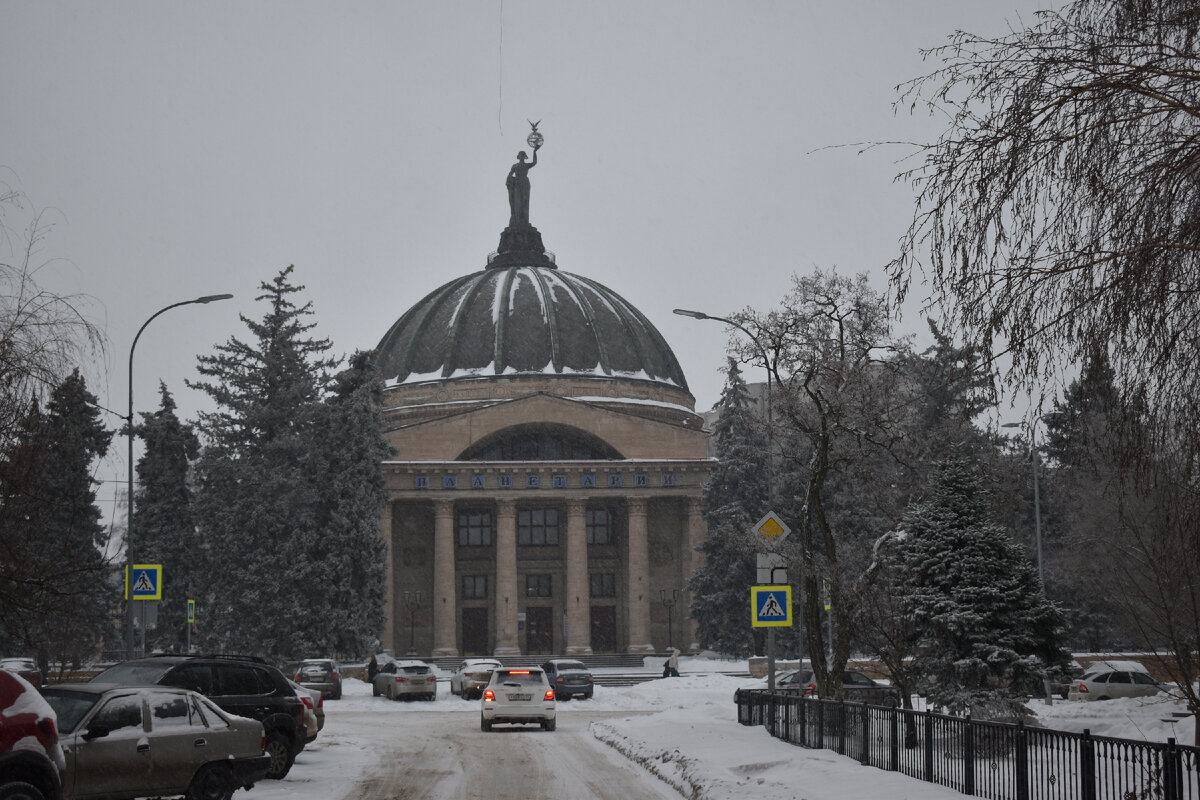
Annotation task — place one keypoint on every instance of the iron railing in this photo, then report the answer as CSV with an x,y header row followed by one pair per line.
x,y
996,760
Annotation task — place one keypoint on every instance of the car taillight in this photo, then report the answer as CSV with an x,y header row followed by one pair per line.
x,y
299,677
401,679
810,689
336,677
262,744
46,726
549,694
488,695
559,679
308,703
1083,688
321,701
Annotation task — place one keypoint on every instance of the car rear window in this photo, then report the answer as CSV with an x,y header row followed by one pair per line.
x,y
133,673
70,707
422,670
566,665
520,678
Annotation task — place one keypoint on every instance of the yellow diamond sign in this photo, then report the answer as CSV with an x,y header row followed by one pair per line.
x,y
772,528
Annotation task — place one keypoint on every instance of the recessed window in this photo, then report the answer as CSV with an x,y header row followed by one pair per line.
x,y
537,526
599,526
474,587
475,528
603,584
538,586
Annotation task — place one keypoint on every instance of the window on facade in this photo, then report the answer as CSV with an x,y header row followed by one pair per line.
x,y
599,526
474,528
537,526
537,586
603,584
474,587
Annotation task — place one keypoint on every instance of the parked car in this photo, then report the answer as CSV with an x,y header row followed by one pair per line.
x,y
569,678
1106,680
405,680
124,742
856,687
242,685
323,674
31,760
517,696
472,677
314,710
27,668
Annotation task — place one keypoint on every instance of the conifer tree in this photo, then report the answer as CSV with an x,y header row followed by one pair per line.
x,y
986,633
165,528
283,544
734,499
51,530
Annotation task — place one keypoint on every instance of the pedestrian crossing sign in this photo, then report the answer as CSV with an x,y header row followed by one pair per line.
x,y
145,583
771,606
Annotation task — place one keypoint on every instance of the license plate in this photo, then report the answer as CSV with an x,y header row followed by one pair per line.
x,y
417,680
520,697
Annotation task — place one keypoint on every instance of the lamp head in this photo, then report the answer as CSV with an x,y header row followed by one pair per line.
x,y
683,312
210,298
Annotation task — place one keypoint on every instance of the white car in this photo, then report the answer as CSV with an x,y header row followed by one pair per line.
x,y
517,696
472,675
1105,680
314,712
405,680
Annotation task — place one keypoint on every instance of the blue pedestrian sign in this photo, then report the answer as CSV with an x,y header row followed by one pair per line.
x,y
145,582
771,606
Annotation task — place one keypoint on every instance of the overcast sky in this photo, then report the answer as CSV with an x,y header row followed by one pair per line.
x,y
691,155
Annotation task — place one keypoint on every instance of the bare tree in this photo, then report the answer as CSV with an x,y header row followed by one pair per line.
x,y
43,335
1058,216
830,353
1060,209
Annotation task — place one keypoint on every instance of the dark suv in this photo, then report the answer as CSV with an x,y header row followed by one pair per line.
x,y
242,685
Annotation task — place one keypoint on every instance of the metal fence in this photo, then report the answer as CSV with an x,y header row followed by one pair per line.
x,y
996,760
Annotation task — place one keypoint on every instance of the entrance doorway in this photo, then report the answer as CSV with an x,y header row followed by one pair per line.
x,y
475,632
539,630
604,629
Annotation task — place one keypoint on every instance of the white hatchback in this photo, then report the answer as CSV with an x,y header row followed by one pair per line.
x,y
517,696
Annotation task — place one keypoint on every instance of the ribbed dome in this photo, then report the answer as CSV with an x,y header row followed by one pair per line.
x,y
525,320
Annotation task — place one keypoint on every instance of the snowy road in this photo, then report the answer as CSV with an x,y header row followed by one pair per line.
x,y
446,755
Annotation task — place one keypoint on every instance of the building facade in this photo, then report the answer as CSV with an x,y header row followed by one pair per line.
x,y
544,496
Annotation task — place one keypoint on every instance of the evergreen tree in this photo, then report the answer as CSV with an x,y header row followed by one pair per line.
x,y
344,551
734,499
283,543
166,532
986,633
51,530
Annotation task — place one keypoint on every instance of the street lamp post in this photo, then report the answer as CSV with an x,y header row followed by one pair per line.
x,y
129,561
683,312
1037,519
669,600
412,601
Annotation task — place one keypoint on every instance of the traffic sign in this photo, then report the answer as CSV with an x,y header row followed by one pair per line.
x,y
146,583
191,614
772,528
771,606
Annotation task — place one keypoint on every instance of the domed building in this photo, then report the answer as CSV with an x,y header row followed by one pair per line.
x,y
545,492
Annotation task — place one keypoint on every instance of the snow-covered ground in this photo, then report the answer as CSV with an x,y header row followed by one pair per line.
x,y
691,740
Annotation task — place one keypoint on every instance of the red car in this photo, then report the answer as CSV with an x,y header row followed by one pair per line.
x,y
31,760
27,668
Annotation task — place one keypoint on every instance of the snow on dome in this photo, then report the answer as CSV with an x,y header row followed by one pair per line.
x,y
525,320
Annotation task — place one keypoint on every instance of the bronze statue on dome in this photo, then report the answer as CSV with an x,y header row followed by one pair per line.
x,y
518,180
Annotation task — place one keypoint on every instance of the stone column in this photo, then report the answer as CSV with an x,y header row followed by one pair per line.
x,y
387,638
445,587
638,592
695,534
577,598
508,599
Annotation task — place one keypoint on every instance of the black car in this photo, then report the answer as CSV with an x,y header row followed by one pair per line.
x,y
569,678
856,687
242,685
